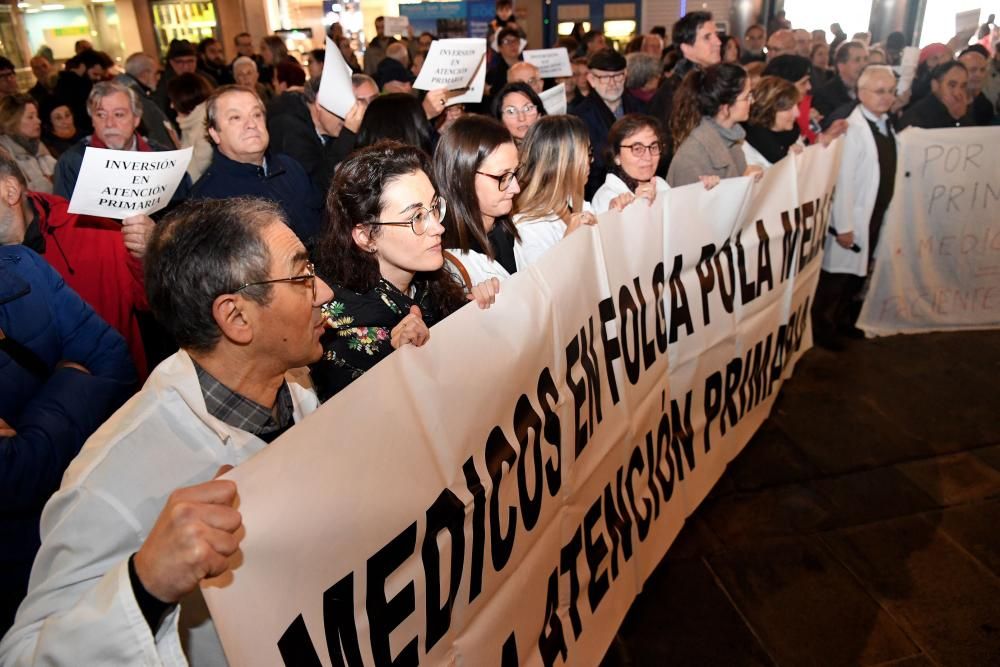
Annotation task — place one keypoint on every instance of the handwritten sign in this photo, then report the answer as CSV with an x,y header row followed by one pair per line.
x,y
474,93
551,63
451,64
119,184
554,100
396,25
336,94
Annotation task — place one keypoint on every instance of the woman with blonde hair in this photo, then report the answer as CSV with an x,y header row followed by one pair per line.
x,y
771,129
21,136
555,164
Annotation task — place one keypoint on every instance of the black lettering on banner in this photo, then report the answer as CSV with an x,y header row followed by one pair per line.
x,y
748,288
777,367
474,484
651,477
680,311
509,654
619,526
579,391
552,640
525,420
789,242
726,293
642,519
808,215
713,404
648,344
612,349
498,453
568,556
385,615
629,315
663,456
596,551
295,646
447,514
682,437
548,398
733,370
764,272
659,281
706,278
759,385
591,368
626,514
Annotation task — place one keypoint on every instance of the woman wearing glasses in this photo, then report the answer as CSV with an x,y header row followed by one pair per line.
x,y
709,106
553,173
518,107
634,147
474,166
382,254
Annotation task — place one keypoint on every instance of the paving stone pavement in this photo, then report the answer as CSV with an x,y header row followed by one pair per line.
x,y
860,526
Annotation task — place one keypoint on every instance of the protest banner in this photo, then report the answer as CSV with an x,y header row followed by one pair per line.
x,y
551,63
119,184
396,25
456,507
336,93
474,93
937,265
451,63
554,99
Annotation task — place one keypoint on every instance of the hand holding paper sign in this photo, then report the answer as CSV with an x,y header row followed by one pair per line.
x,y
136,231
335,90
451,63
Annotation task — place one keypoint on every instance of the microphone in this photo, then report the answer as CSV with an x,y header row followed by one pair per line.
x,y
833,232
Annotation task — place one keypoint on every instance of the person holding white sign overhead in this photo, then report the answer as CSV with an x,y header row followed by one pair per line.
x,y
116,112
242,165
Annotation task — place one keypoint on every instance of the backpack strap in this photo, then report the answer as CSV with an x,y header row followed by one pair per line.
x,y
454,261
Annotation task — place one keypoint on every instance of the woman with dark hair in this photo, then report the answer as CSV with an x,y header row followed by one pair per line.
x,y
518,107
708,109
59,131
382,253
397,116
475,168
771,129
21,137
187,94
635,143
819,57
553,172
730,49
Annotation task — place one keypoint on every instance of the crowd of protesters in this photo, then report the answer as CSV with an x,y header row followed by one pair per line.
x,y
301,248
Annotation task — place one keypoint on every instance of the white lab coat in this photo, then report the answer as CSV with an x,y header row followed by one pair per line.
x,y
538,235
479,266
614,186
854,200
80,608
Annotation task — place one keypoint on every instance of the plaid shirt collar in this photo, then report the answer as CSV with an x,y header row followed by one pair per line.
x,y
240,412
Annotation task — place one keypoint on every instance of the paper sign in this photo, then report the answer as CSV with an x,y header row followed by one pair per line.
x,y
474,94
907,68
396,25
551,63
967,22
336,94
451,64
554,100
119,184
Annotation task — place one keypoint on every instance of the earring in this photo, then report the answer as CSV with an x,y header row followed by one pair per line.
x,y
372,250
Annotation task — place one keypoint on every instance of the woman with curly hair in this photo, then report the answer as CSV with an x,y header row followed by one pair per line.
x,y
382,254
771,129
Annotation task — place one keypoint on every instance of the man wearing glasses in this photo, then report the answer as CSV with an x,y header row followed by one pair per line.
x,y
8,78
607,102
140,520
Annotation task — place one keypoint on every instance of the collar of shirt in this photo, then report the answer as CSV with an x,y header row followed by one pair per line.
x,y
882,122
240,412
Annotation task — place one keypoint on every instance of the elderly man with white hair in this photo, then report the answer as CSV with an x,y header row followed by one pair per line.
x,y
245,73
864,190
116,112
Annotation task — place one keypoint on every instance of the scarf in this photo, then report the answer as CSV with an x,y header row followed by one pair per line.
x,y
731,135
772,145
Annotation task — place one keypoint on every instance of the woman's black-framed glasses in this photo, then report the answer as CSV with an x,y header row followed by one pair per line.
x,y
503,180
421,220
307,278
638,150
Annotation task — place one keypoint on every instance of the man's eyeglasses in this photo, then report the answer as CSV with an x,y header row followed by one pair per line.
x,y
510,40
503,180
605,78
421,220
638,150
307,278
527,110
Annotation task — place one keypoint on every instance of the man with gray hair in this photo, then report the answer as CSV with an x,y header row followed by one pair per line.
x,y
246,73
116,112
140,76
140,520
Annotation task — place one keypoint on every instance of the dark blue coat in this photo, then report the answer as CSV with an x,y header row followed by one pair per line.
x,y
53,410
284,182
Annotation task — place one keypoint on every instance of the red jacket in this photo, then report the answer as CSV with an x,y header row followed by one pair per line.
x,y
90,255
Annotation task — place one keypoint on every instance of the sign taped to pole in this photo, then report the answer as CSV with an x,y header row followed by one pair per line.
x,y
610,403
937,264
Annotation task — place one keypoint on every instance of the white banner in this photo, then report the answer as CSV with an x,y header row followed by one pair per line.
x,y
119,184
500,495
937,262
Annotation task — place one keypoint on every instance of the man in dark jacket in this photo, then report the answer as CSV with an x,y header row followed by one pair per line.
x,y
212,62
63,371
182,58
116,112
73,85
509,44
243,166
849,60
607,102
948,103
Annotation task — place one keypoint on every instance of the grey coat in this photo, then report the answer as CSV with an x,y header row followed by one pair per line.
x,y
706,152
